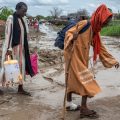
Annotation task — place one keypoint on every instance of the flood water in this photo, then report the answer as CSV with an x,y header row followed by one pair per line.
x,y
47,41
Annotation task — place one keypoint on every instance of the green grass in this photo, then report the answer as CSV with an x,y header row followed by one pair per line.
x,y
112,30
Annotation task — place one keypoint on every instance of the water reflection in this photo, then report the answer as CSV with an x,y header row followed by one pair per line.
x,y
47,41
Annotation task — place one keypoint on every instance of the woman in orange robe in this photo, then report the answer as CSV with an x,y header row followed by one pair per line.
x,y
80,79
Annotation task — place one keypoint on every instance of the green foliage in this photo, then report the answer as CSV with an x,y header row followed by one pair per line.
x,y
112,30
40,17
49,18
5,12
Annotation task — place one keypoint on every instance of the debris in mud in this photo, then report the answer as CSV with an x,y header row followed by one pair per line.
x,y
4,100
50,76
50,57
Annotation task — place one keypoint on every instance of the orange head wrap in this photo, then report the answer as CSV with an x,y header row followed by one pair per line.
x,y
99,17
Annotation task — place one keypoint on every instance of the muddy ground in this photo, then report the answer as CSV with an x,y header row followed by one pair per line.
x,y
47,89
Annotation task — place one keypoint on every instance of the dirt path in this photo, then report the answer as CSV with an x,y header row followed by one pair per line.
x,y
46,103
47,91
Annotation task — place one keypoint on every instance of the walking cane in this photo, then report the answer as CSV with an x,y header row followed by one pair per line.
x,y
68,66
66,80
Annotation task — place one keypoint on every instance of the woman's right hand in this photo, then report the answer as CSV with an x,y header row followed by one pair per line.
x,y
75,35
9,52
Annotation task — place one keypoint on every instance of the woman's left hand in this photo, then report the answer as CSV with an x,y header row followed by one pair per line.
x,y
117,65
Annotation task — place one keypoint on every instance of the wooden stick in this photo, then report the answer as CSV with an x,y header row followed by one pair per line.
x,y
66,80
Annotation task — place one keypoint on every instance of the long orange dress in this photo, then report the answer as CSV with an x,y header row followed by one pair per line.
x,y
80,78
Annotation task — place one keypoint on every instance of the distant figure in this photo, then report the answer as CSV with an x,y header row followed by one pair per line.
x,y
79,79
36,25
16,43
71,20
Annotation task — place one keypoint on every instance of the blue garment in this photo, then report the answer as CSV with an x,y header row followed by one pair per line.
x,y
59,41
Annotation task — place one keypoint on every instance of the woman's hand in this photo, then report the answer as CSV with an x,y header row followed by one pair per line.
x,y
117,65
75,35
9,52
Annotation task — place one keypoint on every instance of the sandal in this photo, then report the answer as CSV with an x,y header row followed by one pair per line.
x,y
90,116
71,109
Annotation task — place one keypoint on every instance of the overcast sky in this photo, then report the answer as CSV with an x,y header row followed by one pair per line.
x,y
42,7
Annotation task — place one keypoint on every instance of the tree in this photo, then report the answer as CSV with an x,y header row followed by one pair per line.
x,y
40,17
82,13
5,12
1,8
55,12
79,14
48,18
118,15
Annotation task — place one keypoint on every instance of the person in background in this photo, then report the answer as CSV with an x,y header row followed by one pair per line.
x,y
36,25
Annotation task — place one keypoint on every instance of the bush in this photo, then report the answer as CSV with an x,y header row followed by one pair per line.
x,y
5,12
111,31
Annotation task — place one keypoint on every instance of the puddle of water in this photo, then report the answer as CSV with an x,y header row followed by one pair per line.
x,y
46,41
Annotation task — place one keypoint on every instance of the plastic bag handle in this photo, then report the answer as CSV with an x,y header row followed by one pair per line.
x,y
8,57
